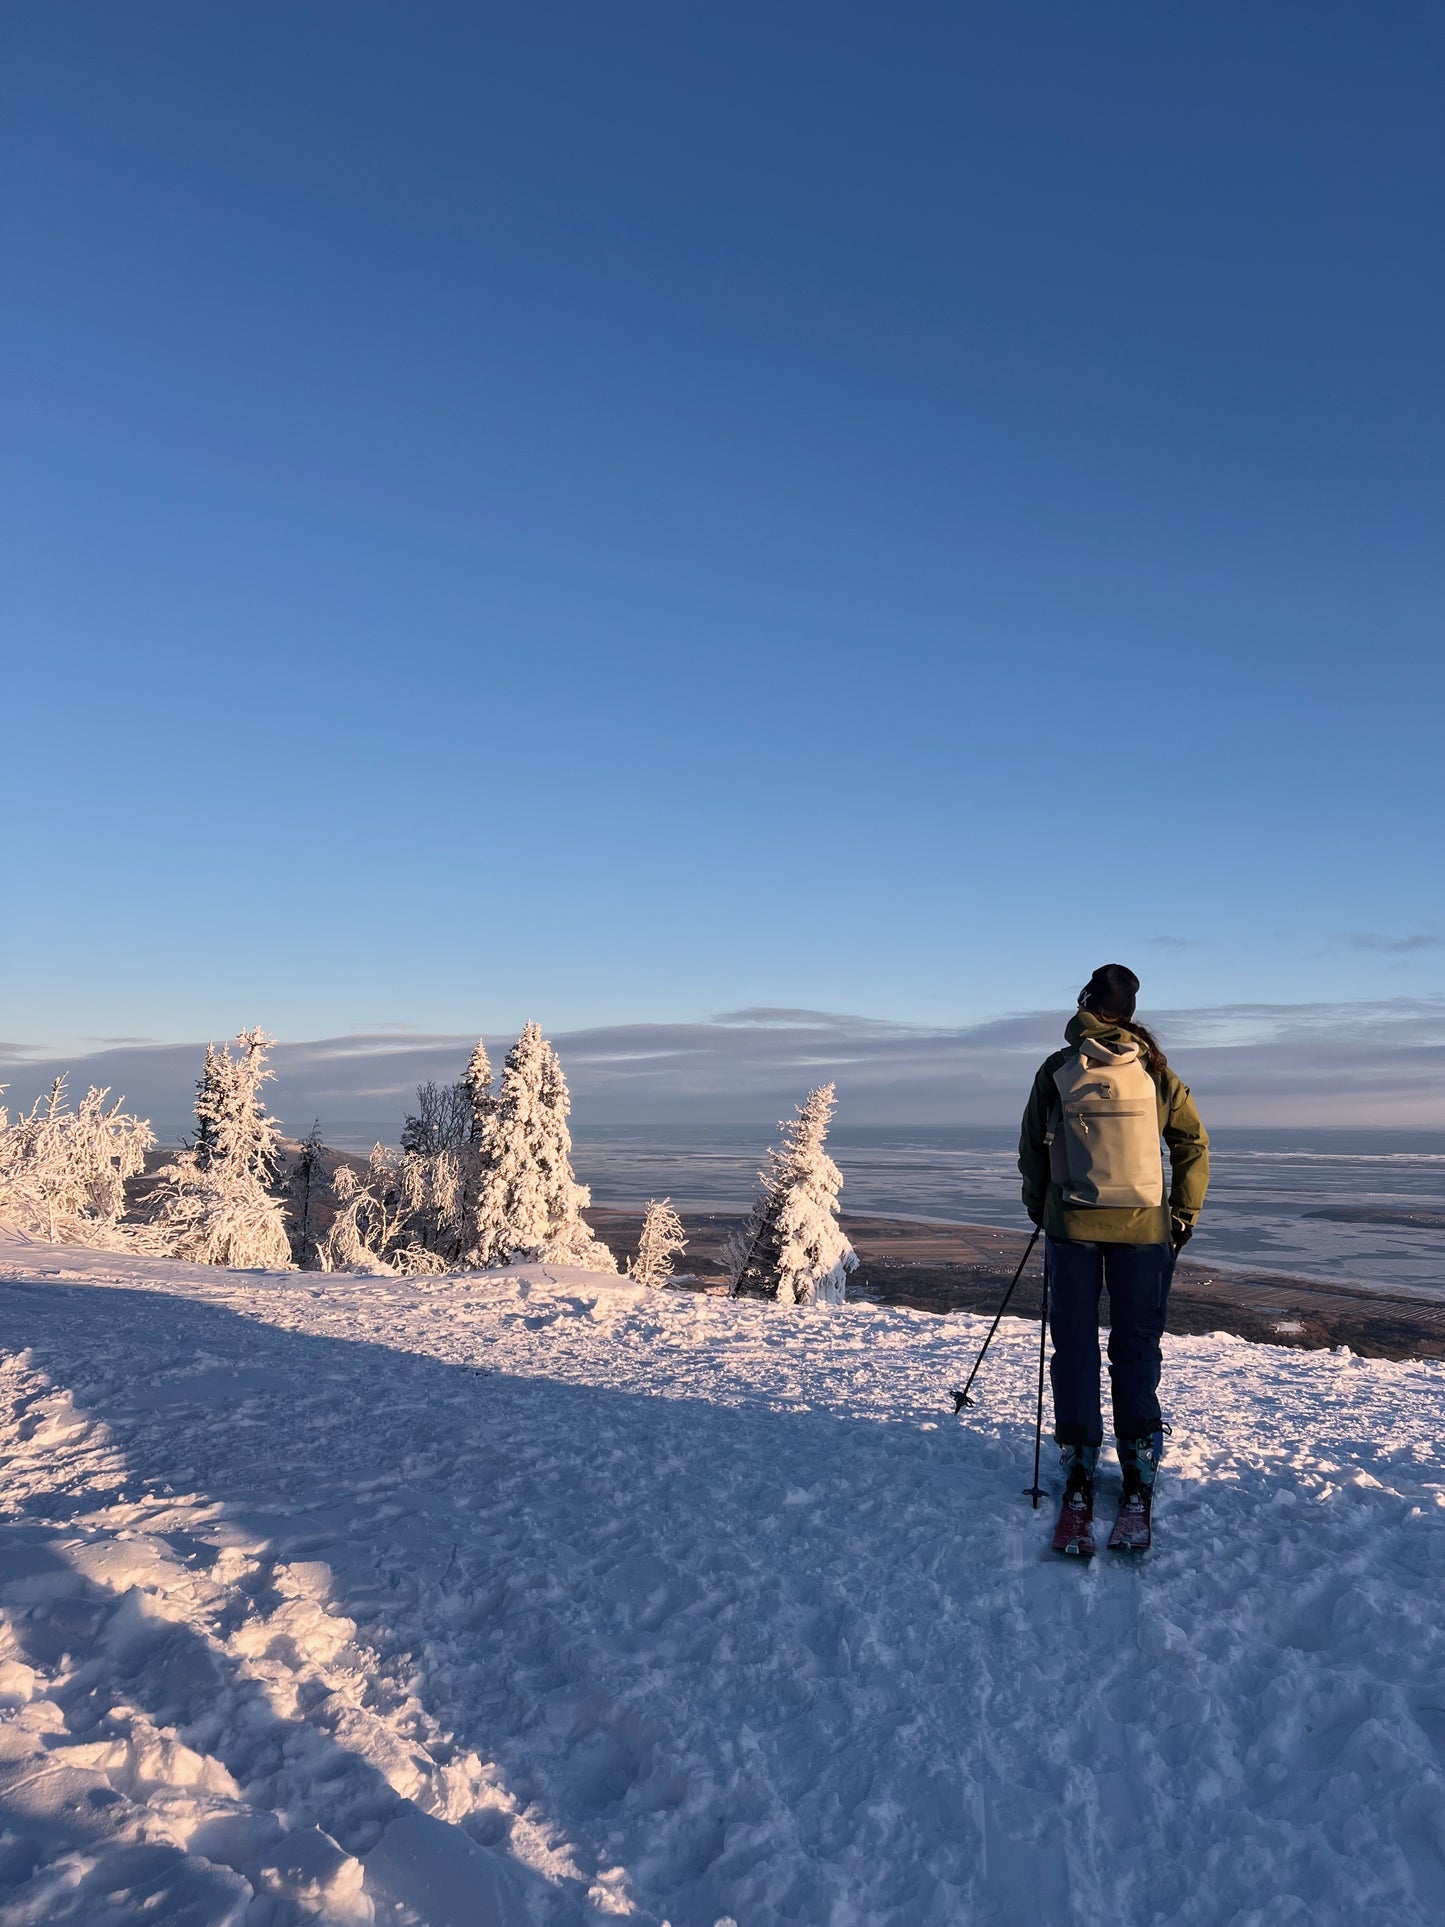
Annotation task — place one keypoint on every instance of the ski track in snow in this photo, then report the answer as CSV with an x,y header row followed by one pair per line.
x,y
535,1597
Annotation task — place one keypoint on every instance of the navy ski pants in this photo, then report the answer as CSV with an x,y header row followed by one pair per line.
x,y
1138,1277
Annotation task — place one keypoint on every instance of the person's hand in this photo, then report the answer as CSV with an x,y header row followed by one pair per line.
x,y
1181,1229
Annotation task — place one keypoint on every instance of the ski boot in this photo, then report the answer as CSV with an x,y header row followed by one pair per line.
x,y
1139,1459
1075,1531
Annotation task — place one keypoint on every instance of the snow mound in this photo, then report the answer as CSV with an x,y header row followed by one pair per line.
x,y
540,1597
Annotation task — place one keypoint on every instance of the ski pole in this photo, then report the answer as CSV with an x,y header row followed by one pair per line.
x,y
961,1397
1036,1491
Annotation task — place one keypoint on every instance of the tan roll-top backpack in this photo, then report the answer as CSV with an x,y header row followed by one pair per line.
x,y
1104,1136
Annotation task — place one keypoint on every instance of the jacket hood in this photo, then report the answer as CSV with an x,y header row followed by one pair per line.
x,y
1104,1040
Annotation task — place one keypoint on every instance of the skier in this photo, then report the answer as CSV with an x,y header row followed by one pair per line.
x,y
1093,1181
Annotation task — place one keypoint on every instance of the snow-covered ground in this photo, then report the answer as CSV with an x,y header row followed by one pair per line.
x,y
534,1597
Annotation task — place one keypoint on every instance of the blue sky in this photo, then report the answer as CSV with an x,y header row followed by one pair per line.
x,y
621,514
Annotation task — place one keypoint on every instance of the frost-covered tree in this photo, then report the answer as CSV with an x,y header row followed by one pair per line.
x,y
233,1127
792,1248
433,1141
439,1168
374,1227
441,1121
242,1135
217,1203
370,1221
477,1085
528,1204
661,1239
431,1194
211,1087
479,1096
63,1173
310,1194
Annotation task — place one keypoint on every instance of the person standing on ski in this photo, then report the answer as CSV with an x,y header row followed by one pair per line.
x,y
1093,1181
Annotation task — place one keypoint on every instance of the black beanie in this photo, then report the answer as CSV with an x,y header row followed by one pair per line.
x,y
1110,992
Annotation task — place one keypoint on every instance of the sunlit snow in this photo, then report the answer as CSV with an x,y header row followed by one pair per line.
x,y
540,1597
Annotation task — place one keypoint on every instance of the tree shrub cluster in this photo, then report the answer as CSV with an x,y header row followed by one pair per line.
x,y
63,1173
482,1178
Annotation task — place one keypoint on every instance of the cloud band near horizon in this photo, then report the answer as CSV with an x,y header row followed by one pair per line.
x,y
1370,1065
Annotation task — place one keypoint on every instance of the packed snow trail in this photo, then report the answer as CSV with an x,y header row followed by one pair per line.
x,y
536,1597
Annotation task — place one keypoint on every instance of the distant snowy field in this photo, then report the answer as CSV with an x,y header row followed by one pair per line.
x,y
1266,1191
534,1597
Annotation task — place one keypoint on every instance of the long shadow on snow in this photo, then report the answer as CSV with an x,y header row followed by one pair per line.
x,y
557,1556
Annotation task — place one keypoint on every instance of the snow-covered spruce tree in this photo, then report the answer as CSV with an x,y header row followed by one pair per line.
x,y
792,1248
214,1087
234,1130
528,1204
477,1084
309,1195
661,1239
63,1173
476,1087
217,1203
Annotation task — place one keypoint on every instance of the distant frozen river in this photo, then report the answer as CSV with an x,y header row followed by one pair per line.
x,y
1265,1186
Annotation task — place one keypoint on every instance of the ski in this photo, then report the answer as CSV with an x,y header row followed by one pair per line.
x,y
1131,1524
1075,1531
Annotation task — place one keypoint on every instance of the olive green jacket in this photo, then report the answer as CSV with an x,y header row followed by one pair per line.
x,y
1179,1126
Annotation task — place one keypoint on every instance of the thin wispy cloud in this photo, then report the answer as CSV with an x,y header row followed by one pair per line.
x,y
1393,946
769,1017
